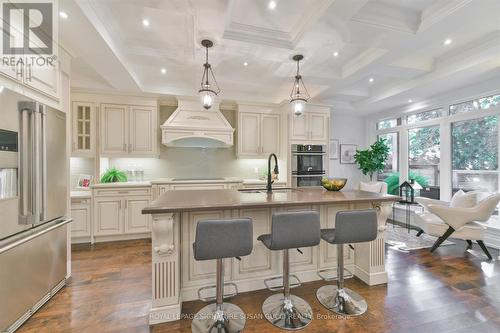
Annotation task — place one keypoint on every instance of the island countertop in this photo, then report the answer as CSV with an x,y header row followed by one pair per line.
x,y
187,200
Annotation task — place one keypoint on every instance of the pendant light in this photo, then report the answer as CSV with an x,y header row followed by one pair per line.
x,y
208,90
299,95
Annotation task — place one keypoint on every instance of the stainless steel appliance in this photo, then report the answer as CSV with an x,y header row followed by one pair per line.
x,y
33,204
308,165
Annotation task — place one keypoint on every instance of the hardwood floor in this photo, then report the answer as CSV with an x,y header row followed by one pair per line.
x,y
448,291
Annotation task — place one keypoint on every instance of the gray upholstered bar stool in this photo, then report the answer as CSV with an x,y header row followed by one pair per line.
x,y
355,226
290,230
219,239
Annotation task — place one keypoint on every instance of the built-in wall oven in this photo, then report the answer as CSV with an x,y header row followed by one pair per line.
x,y
308,165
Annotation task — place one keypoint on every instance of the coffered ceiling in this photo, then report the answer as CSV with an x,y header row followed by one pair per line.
x,y
400,44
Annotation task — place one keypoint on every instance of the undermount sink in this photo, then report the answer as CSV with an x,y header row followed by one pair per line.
x,y
263,190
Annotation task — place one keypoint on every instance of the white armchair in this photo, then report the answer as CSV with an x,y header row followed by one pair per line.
x,y
384,209
441,220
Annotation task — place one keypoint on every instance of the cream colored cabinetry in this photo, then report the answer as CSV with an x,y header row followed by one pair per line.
x,y
117,212
81,215
83,129
159,189
258,134
44,79
310,127
127,130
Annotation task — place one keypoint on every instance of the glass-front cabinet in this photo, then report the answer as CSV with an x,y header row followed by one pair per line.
x,y
83,133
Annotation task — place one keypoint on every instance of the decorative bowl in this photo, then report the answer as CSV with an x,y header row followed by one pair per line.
x,y
333,184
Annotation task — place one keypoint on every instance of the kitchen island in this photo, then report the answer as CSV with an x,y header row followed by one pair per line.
x,y
177,276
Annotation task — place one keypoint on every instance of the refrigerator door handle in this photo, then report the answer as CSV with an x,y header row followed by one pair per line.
x,y
27,181
43,163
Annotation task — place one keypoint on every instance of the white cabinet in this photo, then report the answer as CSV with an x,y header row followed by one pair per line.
x,y
42,78
135,221
83,129
310,127
259,134
128,130
108,216
81,215
118,212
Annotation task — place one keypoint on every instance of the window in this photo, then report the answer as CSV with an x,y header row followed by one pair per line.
x,y
388,123
477,104
475,154
391,165
488,102
424,155
426,115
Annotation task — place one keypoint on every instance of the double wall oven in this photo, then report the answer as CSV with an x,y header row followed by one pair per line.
x,y
308,165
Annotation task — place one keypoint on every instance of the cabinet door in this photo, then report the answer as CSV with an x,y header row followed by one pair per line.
x,y
249,144
318,127
135,221
328,252
142,130
83,129
261,261
299,128
114,134
80,227
270,134
108,217
43,78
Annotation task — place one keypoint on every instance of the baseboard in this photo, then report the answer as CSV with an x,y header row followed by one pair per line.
x,y
164,314
370,279
113,238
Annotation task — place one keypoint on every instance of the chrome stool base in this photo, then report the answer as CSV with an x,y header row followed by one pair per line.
x,y
341,301
293,313
211,319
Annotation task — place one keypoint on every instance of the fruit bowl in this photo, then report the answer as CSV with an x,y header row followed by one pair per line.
x,y
333,184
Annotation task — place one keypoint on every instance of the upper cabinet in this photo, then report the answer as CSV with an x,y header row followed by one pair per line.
x,y
259,134
83,129
312,127
128,130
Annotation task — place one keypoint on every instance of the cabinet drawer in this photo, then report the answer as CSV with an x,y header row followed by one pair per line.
x,y
106,192
80,201
197,186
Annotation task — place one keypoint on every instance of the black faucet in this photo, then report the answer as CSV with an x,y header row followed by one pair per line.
x,y
269,175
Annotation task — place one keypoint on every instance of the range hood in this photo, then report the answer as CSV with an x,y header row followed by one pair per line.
x,y
192,126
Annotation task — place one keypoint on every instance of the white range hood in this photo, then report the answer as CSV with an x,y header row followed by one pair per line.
x,y
193,126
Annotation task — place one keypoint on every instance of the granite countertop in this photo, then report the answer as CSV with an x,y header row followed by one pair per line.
x,y
184,200
124,184
80,194
196,180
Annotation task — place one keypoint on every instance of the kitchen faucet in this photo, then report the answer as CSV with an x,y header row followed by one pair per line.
x,y
276,171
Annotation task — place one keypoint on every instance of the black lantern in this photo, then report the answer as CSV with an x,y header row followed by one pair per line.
x,y
407,192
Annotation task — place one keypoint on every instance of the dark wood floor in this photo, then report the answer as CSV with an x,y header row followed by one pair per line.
x,y
449,291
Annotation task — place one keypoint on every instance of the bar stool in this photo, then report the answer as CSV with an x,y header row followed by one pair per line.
x,y
290,230
355,226
219,239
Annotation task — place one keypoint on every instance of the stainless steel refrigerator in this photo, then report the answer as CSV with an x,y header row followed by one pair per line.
x,y
33,206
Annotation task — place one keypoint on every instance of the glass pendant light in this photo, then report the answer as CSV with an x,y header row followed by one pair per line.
x,y
208,90
299,95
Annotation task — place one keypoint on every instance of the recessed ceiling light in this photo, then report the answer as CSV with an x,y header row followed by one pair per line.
x,y
164,71
447,41
335,54
63,15
245,64
410,101
145,22
371,80
272,4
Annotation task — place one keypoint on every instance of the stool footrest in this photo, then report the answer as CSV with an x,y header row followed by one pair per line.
x,y
324,277
270,287
212,298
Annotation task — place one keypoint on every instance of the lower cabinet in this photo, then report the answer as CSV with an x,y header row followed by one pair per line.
x,y
115,216
81,215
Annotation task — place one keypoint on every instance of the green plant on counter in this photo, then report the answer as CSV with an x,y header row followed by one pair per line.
x,y
393,181
114,175
372,160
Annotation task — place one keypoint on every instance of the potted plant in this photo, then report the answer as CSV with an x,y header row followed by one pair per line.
x,y
373,159
114,175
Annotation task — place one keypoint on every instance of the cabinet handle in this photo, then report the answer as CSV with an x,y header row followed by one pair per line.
x,y
125,147
19,71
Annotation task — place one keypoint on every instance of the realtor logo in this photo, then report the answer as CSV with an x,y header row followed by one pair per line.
x,y
27,28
